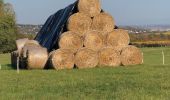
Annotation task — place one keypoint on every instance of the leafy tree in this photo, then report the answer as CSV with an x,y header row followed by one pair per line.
x,y
8,29
1,7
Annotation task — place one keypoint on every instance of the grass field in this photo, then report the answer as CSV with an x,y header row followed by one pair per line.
x,y
150,81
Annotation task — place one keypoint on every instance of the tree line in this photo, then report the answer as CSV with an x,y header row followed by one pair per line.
x,y
150,39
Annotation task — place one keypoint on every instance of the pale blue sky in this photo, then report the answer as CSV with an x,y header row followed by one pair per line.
x,y
125,12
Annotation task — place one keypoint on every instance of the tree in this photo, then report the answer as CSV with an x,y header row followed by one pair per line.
x,y
1,7
8,29
8,9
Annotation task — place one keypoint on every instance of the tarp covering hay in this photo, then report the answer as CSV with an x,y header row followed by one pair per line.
x,y
89,7
20,44
94,40
14,56
118,37
62,59
70,40
79,23
103,22
22,63
86,58
109,57
36,58
131,55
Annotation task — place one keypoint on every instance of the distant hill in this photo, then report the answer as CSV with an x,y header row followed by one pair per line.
x,y
34,29
134,29
153,28
28,29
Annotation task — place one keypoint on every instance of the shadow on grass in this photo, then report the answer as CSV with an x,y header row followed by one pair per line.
x,y
7,66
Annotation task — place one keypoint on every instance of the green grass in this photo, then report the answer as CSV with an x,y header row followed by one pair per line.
x,y
150,81
5,61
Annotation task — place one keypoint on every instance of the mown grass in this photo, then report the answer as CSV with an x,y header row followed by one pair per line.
x,y
149,81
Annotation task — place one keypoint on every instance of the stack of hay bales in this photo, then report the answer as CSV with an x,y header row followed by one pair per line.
x,y
92,40
31,55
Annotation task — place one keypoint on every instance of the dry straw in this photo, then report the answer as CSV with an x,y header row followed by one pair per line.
x,y
70,40
108,56
94,40
131,56
86,58
103,22
37,58
118,48
89,7
118,37
62,59
79,23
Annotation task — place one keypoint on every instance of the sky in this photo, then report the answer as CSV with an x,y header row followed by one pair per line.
x,y
125,12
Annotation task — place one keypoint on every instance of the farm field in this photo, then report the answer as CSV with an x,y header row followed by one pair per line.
x,y
150,81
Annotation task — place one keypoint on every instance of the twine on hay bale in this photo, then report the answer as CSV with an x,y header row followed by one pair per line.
x,y
103,22
62,59
118,37
20,44
86,58
79,23
131,55
37,58
89,7
70,40
108,56
94,40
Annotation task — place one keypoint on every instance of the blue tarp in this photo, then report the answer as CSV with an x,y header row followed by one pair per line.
x,y
55,25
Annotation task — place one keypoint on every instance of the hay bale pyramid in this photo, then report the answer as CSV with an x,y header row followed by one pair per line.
x,y
103,45
90,41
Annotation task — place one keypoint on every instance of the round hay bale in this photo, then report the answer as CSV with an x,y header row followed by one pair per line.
x,y
32,42
108,56
50,54
23,56
86,58
79,23
131,55
70,40
37,58
118,37
103,22
89,7
94,40
20,44
62,59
